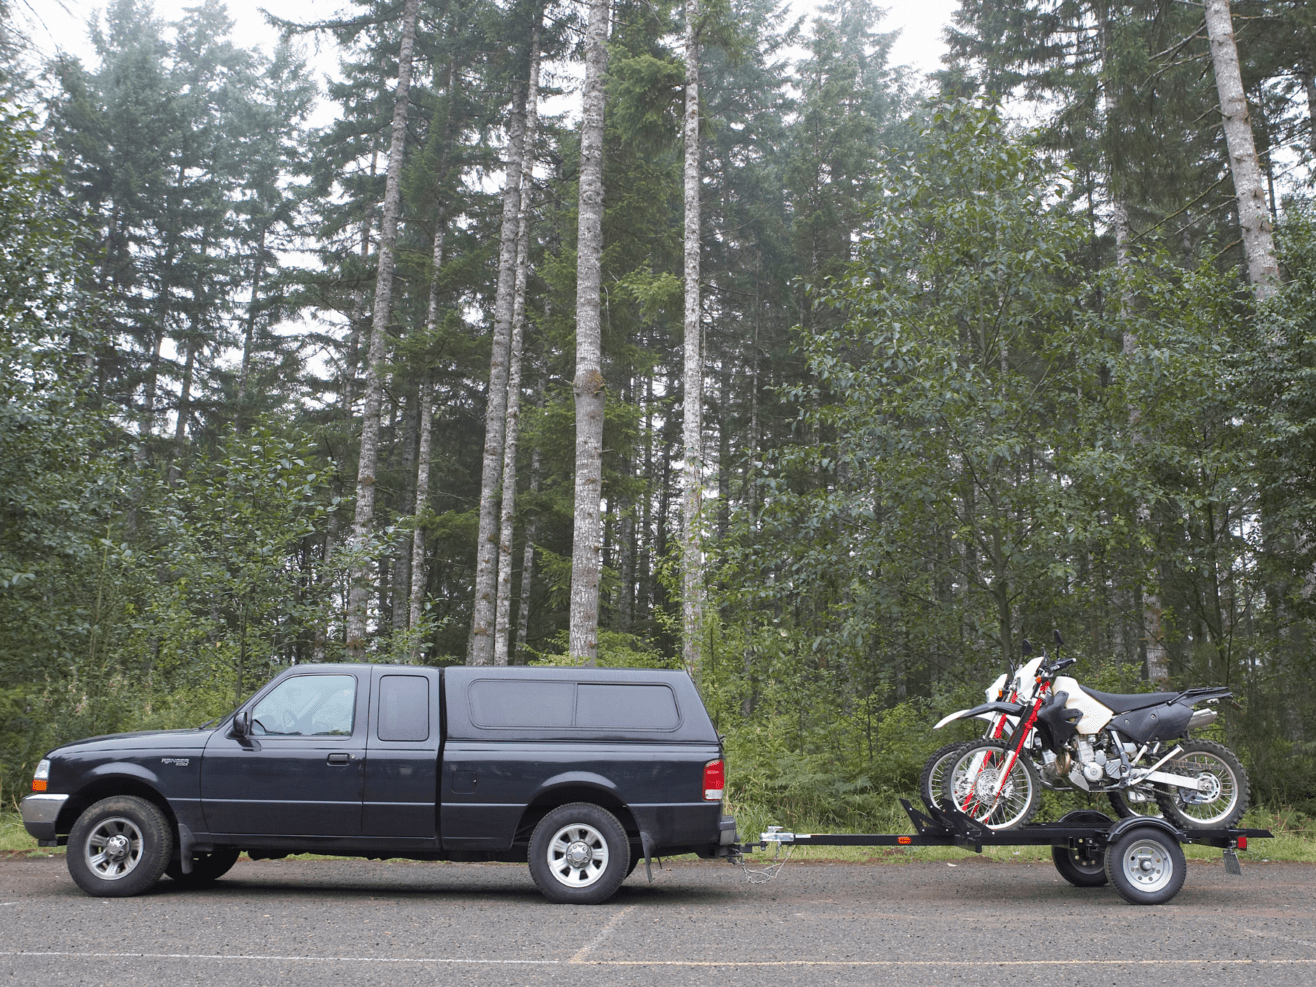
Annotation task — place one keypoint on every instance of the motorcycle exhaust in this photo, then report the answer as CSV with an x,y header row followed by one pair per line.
x,y
1202,718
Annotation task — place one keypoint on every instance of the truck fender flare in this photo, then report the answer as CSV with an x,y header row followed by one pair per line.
x,y
124,769
576,778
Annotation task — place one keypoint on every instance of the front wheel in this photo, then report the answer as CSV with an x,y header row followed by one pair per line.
x,y
1146,865
207,868
929,783
991,784
119,847
579,854
1222,792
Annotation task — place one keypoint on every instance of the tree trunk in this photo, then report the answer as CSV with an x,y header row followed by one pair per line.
x,y
692,474
480,650
531,532
589,384
1253,217
503,610
359,588
249,332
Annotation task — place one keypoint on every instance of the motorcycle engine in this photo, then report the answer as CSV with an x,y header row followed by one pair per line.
x,y
1092,763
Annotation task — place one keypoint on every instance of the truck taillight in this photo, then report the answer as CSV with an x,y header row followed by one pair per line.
x,y
715,780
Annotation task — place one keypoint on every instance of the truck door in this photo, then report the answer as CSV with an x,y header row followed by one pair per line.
x,y
402,755
300,773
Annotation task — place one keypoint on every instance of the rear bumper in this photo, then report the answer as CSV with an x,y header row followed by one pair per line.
x,y
40,813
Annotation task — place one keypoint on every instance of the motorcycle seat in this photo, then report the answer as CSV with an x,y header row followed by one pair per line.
x,y
1122,704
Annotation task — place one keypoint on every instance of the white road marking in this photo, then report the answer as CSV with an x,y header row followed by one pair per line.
x,y
598,940
456,961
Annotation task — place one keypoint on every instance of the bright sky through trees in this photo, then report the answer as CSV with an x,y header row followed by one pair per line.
x,y
920,23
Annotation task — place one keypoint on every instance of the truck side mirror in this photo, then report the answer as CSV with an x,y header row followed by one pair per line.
x,y
242,723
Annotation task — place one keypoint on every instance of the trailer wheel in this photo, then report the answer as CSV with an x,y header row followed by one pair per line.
x,y
579,854
1146,865
1082,866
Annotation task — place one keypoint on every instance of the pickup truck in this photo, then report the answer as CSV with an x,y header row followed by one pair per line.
x,y
579,772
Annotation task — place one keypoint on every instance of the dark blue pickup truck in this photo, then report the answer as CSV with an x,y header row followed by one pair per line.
x,y
580,772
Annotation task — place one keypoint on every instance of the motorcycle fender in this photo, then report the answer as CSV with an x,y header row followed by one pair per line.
x,y
984,711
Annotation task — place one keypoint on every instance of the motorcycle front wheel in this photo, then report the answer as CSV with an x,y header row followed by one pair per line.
x,y
979,785
1222,794
929,784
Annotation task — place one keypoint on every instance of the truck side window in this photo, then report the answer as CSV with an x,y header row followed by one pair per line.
x,y
404,708
637,707
308,706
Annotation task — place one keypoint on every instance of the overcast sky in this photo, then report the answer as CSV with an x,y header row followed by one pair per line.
x,y
61,23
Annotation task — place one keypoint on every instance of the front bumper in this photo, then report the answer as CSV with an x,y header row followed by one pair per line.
x,y
40,813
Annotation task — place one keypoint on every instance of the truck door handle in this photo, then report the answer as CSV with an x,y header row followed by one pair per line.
x,y
339,758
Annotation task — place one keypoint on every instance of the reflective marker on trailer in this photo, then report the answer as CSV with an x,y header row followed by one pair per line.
x,y
903,840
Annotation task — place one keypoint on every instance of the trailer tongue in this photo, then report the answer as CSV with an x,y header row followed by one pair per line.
x,y
1141,856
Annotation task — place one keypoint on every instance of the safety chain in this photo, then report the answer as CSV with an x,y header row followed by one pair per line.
x,y
764,874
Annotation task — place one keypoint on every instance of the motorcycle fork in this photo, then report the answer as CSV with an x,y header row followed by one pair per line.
x,y
1012,755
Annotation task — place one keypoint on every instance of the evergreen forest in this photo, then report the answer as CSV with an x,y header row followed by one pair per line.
x,y
695,335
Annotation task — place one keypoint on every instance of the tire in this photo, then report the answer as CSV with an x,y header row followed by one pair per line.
x,y
207,868
1146,865
579,854
119,847
929,783
969,781
1083,866
1127,808
1226,799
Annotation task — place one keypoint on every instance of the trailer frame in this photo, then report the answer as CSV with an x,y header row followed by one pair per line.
x,y
1141,856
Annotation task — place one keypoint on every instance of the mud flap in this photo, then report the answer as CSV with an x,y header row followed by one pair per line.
x,y
646,841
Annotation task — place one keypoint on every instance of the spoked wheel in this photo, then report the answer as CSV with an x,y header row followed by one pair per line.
x,y
990,784
1083,866
929,784
1146,865
1222,791
579,854
1134,803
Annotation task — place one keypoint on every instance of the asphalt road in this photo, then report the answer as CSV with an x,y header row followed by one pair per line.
x,y
322,922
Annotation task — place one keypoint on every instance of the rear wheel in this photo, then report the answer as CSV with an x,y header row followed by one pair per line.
x,y
579,854
207,868
119,847
990,784
1131,803
1146,865
1222,792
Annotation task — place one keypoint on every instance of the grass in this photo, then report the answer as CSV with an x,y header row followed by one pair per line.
x,y
1295,840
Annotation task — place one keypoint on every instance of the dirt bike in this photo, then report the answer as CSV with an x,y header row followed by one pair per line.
x,y
1008,690
1100,742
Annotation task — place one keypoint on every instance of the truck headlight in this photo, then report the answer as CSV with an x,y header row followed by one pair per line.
x,y
42,775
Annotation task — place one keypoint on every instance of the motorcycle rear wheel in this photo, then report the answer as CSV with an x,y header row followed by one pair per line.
x,y
1227,795
971,781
